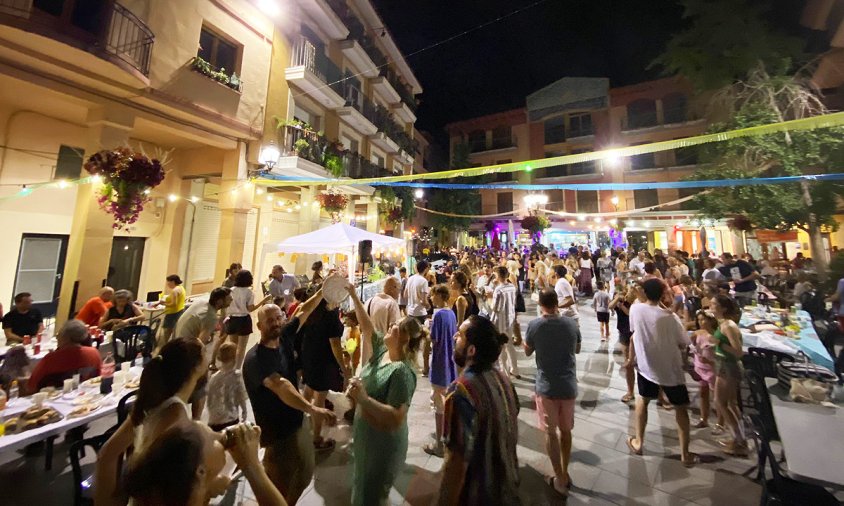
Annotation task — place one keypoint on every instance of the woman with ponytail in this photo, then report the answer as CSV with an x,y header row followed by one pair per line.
x,y
383,394
166,385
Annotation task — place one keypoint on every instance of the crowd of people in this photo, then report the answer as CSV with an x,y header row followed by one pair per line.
x,y
676,318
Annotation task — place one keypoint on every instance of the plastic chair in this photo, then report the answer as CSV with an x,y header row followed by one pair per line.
x,y
136,339
781,489
83,486
124,407
765,361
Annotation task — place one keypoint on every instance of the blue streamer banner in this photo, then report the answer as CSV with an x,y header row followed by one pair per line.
x,y
713,183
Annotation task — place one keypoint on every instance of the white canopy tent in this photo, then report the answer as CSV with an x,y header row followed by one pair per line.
x,y
338,238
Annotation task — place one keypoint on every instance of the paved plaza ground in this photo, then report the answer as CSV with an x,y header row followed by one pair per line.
x,y
602,470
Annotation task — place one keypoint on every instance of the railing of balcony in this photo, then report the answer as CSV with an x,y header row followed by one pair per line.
x,y
355,98
305,54
403,90
122,34
298,140
129,39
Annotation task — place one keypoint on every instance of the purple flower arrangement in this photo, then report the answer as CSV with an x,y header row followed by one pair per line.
x,y
127,175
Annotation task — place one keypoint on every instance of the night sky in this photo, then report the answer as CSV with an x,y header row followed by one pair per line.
x,y
495,68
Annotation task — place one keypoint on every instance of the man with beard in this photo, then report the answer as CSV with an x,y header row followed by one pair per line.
x,y
480,424
269,372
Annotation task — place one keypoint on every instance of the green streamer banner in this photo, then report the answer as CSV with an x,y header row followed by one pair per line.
x,y
823,121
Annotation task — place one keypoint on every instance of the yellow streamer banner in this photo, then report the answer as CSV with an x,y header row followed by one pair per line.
x,y
823,121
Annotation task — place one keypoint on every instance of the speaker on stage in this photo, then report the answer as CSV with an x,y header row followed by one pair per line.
x,y
365,252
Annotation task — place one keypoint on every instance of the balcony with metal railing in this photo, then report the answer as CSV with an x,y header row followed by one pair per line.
x,y
102,28
358,111
304,152
315,74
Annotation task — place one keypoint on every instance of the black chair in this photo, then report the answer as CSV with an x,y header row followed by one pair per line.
x,y
136,339
83,486
124,407
761,415
765,361
781,489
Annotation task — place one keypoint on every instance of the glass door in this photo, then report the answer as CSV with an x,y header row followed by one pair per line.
x,y
40,270
124,269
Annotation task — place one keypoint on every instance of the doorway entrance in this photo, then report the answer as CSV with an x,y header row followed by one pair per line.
x,y
124,268
40,270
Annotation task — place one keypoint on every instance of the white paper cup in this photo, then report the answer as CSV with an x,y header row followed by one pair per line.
x,y
76,379
125,366
38,399
68,386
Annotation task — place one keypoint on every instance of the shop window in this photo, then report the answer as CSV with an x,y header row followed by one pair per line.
x,y
69,163
587,201
218,51
645,198
580,125
555,130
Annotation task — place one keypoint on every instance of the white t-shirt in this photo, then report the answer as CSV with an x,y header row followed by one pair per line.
x,y
242,298
712,275
659,335
417,295
637,265
564,289
383,310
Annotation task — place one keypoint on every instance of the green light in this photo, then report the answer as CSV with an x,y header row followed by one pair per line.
x,y
25,191
528,168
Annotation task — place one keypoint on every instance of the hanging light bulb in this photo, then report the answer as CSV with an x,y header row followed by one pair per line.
x,y
172,197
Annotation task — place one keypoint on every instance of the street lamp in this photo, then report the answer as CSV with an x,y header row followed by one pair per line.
x,y
614,201
419,193
269,156
533,200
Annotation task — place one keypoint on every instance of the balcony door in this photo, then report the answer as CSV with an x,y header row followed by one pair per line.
x,y
40,270
81,18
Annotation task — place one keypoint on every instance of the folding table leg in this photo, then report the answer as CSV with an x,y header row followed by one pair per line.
x,y
48,453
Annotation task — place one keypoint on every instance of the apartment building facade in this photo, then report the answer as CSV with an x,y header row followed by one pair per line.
x,y
206,85
576,115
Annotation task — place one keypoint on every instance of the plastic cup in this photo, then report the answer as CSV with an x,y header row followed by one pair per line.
x,y
38,399
76,379
68,386
125,366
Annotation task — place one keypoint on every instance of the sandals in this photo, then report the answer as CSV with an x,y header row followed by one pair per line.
x,y
627,398
701,424
550,482
434,449
633,449
693,459
324,444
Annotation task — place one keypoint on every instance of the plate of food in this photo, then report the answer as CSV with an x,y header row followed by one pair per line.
x,y
84,410
95,381
334,289
32,418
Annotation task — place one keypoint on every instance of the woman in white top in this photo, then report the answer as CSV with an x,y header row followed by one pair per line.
x,y
239,322
584,277
167,383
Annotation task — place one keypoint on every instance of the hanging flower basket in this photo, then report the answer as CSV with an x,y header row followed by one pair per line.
x,y
127,175
740,222
333,203
535,224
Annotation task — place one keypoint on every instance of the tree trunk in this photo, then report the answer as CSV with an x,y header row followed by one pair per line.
x,y
815,236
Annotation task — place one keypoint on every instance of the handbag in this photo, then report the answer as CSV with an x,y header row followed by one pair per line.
x,y
520,302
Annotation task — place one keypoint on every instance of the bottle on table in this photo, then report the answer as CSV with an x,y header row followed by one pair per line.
x,y
2,400
14,391
107,374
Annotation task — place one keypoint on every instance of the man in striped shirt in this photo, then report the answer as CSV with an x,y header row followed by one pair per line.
x,y
503,316
480,423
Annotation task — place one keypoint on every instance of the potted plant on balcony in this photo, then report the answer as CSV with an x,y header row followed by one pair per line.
x,y
197,64
333,203
127,178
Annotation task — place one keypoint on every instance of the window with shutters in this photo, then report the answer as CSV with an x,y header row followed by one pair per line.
x,y
505,202
580,125
218,51
555,130
587,201
645,198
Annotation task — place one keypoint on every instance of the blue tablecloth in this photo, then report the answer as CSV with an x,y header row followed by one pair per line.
x,y
808,343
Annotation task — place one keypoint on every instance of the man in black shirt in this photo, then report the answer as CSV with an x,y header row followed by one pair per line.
x,y
269,372
743,276
22,320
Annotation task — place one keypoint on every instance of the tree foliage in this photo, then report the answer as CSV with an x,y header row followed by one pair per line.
x,y
759,100
455,202
724,39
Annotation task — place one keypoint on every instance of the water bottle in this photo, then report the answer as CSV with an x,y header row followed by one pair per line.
x,y
107,374
13,391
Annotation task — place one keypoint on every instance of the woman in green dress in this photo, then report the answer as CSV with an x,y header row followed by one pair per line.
x,y
383,393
